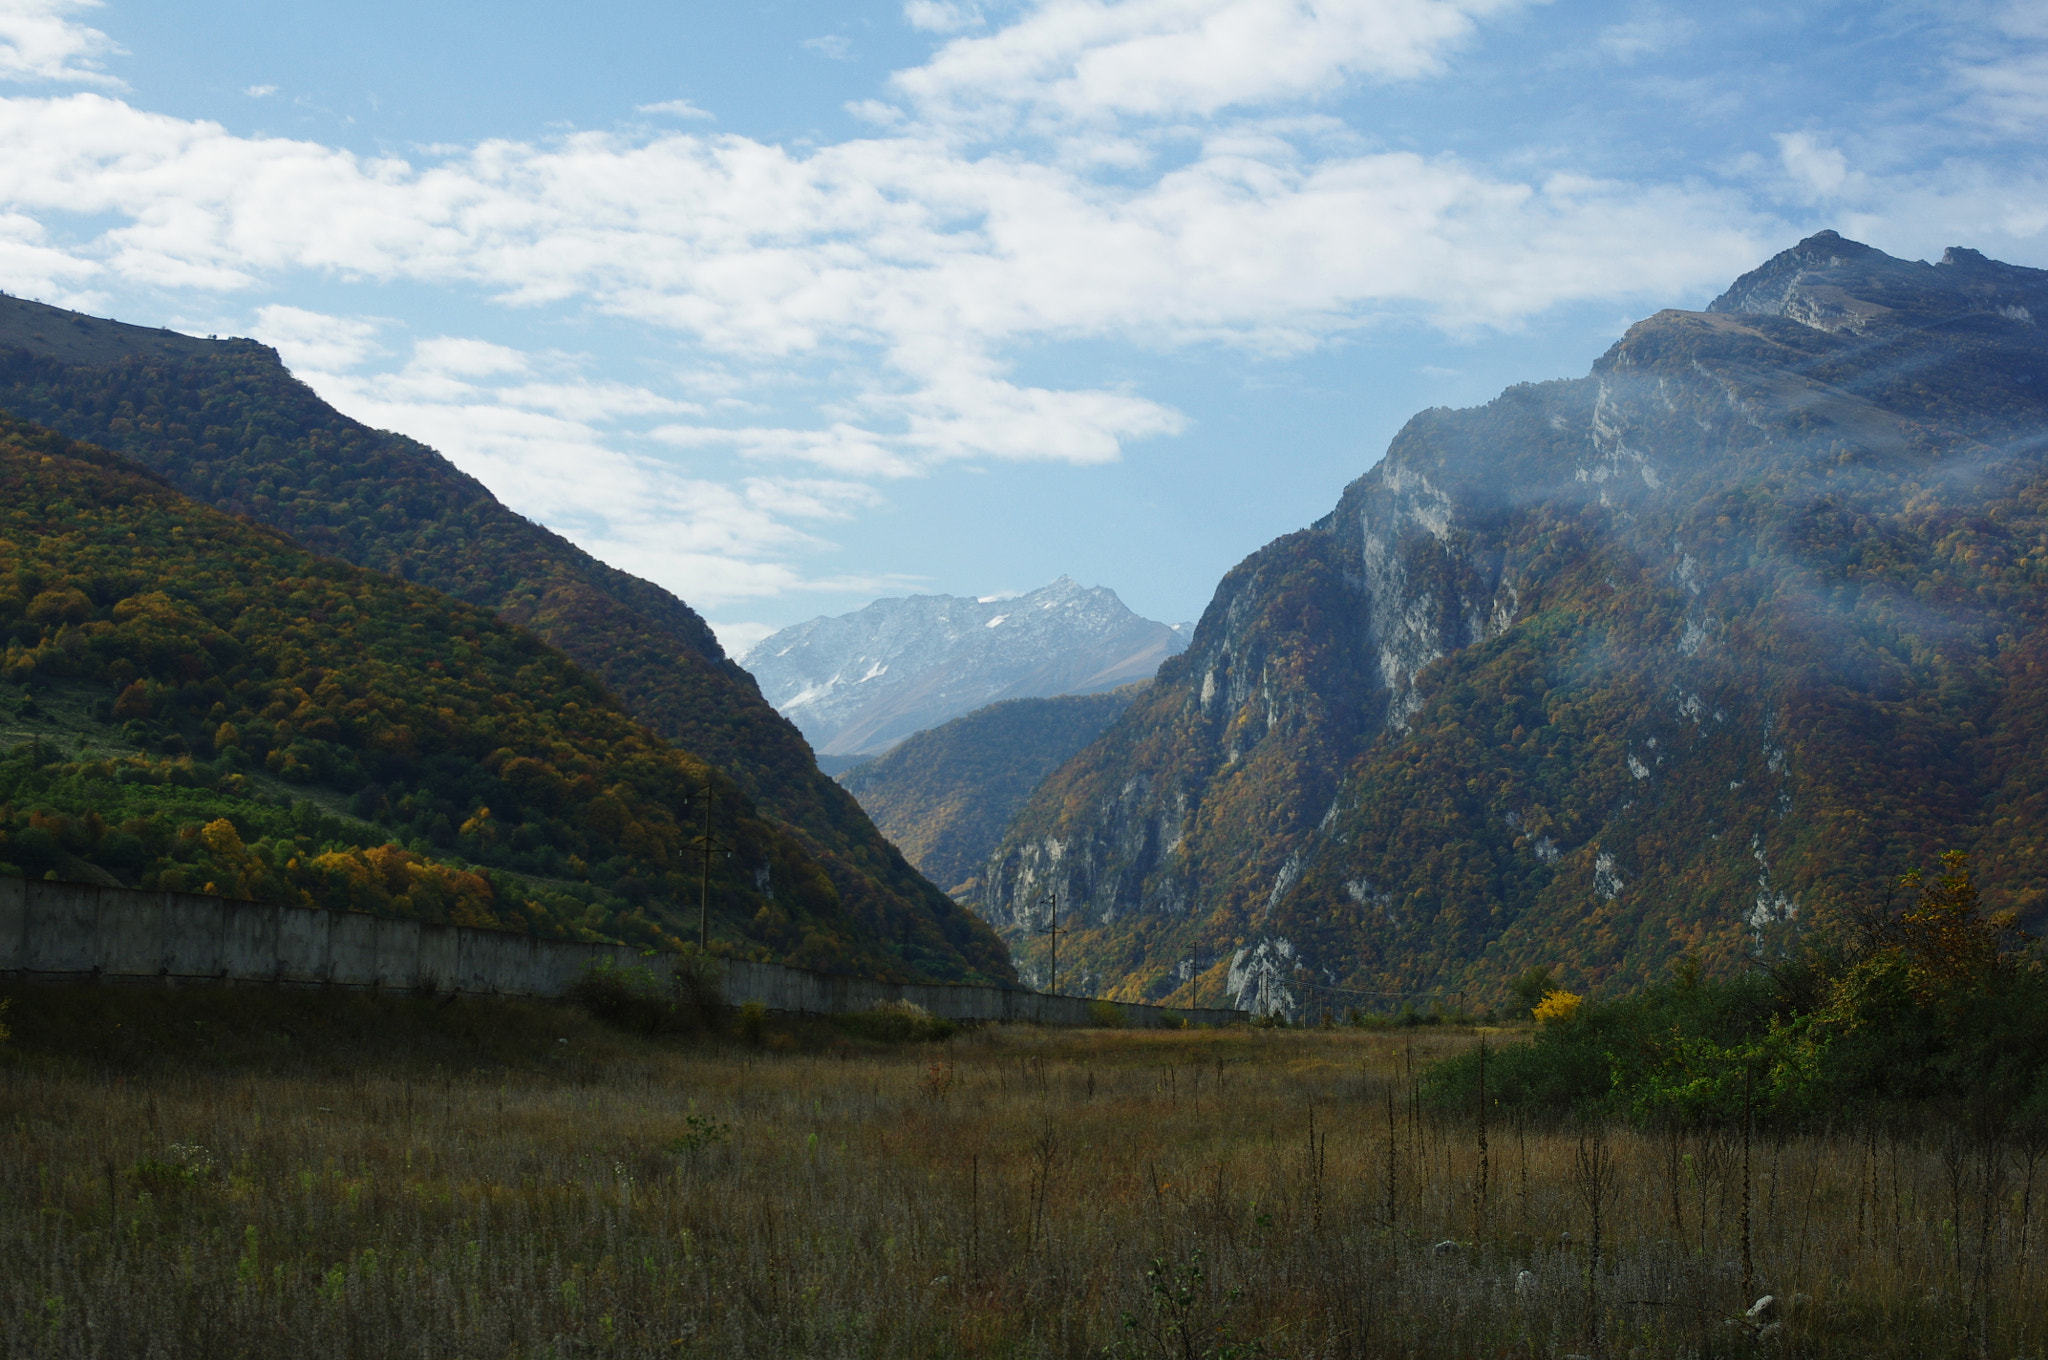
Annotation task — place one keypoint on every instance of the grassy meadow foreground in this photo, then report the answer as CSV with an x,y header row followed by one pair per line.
x,y
246,1172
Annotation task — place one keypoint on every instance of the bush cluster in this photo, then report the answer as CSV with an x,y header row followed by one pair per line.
x,y
1924,1002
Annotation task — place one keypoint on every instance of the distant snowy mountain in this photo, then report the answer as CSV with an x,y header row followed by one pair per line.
x,y
861,682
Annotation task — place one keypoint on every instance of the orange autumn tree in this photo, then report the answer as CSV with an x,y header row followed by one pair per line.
x,y
1944,937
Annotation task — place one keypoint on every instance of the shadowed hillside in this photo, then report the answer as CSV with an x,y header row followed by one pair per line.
x,y
211,708
944,796
224,422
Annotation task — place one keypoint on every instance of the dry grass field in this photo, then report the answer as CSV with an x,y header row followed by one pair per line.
x,y
221,1173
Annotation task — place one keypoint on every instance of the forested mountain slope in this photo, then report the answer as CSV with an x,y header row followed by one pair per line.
x,y
1744,623
944,796
224,422
250,718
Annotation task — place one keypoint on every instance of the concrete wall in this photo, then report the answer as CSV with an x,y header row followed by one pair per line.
x,y
58,931
795,989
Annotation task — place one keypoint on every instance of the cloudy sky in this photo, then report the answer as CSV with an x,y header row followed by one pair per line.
x,y
788,305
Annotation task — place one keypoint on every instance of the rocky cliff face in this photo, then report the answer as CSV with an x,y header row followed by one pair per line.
x,y
862,682
1657,660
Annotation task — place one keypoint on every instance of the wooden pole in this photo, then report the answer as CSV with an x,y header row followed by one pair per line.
x,y
706,844
1052,930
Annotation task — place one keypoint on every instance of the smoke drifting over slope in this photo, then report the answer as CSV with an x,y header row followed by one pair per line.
x,y
1655,660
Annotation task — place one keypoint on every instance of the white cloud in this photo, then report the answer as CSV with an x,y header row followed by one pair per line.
x,y
462,357
810,497
738,638
314,341
677,108
547,441
32,267
842,447
834,46
260,91
594,401
39,42
941,16
889,283
973,414
930,261
1089,59
712,542
2004,72
1647,34
1818,170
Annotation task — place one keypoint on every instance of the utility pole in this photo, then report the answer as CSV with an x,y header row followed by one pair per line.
x,y
706,845
1054,930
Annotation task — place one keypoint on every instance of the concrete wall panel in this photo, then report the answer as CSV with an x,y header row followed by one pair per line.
x,y
485,957
398,952
193,928
302,945
131,940
352,949
249,940
13,924
63,934
439,956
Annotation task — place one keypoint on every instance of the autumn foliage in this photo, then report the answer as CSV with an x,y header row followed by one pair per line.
x,y
225,423
287,727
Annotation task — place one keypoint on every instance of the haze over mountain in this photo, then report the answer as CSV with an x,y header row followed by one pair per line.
x,y
1738,627
224,422
859,683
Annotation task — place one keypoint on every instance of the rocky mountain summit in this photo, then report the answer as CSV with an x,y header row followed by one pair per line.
x,y
1661,660
859,683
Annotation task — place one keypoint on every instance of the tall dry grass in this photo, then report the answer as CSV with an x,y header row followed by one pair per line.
x,y
453,1181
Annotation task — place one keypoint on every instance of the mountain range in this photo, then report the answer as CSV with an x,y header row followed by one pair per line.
x,y
225,423
858,683
1664,660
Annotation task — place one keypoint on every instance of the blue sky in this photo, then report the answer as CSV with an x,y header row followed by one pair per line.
x,y
791,305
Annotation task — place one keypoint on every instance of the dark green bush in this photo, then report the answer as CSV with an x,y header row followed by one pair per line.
x,y
896,1022
1846,1028
678,994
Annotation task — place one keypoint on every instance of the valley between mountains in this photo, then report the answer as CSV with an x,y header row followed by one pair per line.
x,y
1672,659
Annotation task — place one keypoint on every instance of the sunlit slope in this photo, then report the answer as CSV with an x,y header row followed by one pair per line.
x,y
1662,659
945,795
224,422
250,718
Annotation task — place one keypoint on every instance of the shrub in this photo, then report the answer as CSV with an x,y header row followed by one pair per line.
x,y
698,986
1531,986
1108,1015
896,1022
699,1132
1557,1005
182,1166
625,998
